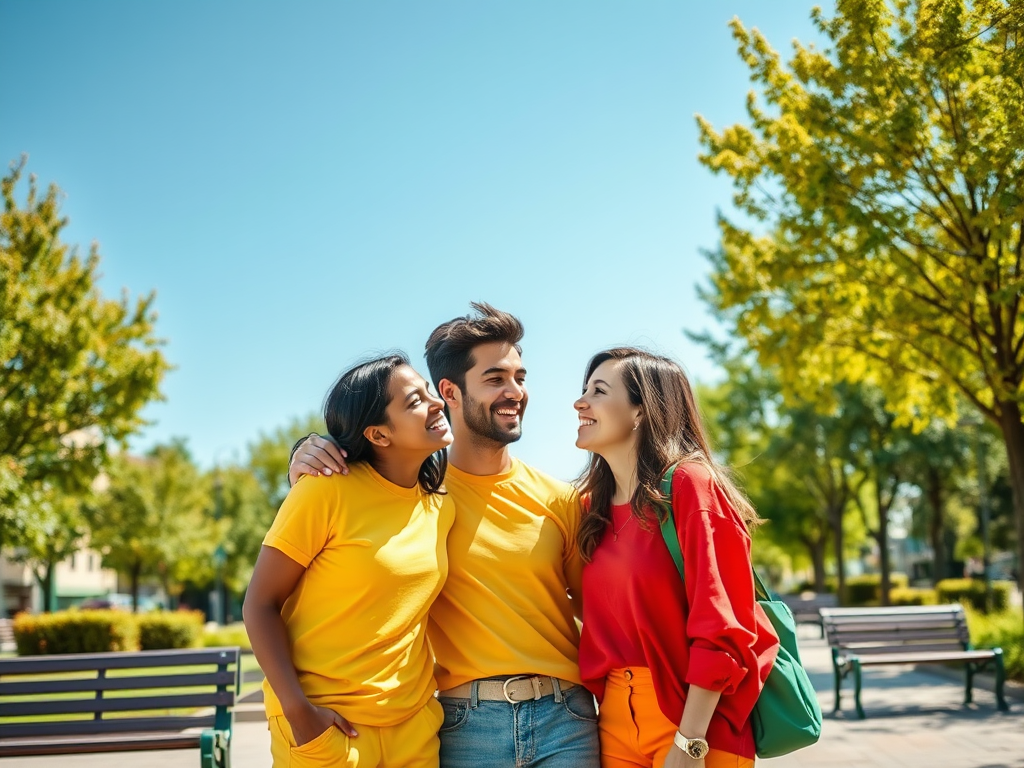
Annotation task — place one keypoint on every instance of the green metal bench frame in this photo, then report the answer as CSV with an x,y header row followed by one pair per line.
x,y
63,675
931,634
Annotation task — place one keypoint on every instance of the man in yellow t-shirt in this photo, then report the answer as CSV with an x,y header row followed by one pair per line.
x,y
502,629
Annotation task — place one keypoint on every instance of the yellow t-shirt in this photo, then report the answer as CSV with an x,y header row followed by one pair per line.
x,y
375,561
512,554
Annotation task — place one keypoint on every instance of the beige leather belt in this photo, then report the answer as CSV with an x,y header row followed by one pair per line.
x,y
512,689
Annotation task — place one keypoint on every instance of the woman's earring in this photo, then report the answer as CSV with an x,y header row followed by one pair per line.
x,y
635,426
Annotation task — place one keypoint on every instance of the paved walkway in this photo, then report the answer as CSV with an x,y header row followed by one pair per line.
x,y
913,719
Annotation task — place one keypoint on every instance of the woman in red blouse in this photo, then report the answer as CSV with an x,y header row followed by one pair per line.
x,y
677,667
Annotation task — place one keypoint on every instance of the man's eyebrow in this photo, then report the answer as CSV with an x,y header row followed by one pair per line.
x,y
499,369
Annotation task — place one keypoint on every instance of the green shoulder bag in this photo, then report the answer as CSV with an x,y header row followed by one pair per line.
x,y
786,716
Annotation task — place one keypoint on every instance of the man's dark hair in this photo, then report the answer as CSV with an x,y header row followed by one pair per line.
x,y
450,347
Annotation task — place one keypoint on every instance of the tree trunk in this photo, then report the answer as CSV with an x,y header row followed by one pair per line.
x,y
134,575
835,517
937,525
883,543
817,550
1013,436
45,579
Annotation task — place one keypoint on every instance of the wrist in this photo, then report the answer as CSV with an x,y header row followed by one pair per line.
x,y
695,747
295,708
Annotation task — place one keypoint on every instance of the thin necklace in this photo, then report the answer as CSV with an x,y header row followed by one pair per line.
x,y
616,538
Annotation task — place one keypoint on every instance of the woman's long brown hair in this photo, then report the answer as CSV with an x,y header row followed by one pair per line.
x,y
670,432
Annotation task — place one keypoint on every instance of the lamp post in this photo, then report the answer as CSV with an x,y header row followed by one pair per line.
x,y
219,555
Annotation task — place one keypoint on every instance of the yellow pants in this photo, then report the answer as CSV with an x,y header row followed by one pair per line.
x,y
412,743
635,732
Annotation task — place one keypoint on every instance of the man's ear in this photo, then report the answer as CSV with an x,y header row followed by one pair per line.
x,y
449,392
378,435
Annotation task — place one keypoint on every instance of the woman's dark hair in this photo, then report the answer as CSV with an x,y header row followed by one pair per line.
x,y
669,432
359,399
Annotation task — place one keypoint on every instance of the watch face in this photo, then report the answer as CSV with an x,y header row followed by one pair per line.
x,y
697,748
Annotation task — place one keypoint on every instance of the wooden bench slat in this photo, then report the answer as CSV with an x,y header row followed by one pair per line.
x,y
919,658
125,683
117,704
106,743
908,636
875,649
80,662
109,725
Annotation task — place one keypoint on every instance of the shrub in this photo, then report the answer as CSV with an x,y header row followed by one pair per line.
x,y
808,586
971,592
1000,630
178,629
867,589
75,632
227,636
912,596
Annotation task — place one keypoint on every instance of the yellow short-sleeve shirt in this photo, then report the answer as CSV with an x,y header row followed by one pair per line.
x,y
375,559
512,554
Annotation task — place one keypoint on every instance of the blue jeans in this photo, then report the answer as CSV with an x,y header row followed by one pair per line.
x,y
545,733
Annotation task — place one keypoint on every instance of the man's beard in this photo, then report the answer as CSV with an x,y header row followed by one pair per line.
x,y
481,421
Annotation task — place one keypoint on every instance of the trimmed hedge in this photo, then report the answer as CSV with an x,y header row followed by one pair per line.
x,y
913,596
972,592
233,634
1003,630
867,589
162,629
75,632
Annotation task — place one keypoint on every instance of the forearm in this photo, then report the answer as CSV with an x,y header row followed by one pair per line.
x,y
269,638
700,706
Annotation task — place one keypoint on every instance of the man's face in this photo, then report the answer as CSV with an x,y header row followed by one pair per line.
x,y
495,397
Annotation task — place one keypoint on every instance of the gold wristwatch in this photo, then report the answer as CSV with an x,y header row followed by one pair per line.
x,y
695,748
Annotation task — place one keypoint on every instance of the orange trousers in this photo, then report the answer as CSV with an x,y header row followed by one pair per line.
x,y
635,732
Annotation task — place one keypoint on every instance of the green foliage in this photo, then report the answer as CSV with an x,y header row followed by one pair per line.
x,y
971,592
75,632
867,589
234,634
177,629
809,586
880,185
268,456
913,596
246,513
1000,630
153,519
76,369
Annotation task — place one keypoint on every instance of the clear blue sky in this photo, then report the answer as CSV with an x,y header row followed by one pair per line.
x,y
303,183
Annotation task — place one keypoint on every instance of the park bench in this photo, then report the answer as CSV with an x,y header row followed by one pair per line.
x,y
806,608
158,699
931,634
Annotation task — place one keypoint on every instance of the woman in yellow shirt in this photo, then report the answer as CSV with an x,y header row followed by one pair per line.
x,y
337,606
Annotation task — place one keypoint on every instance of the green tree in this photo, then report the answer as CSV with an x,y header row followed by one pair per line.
x,y
882,234
268,456
76,369
153,519
53,531
795,463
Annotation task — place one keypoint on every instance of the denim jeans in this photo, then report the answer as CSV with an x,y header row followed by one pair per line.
x,y
545,733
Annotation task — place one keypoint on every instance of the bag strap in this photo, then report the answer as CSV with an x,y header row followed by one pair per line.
x,y
668,524
671,536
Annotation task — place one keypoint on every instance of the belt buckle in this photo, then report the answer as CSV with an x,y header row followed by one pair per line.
x,y
504,686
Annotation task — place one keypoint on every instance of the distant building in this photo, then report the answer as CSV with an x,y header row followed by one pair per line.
x,y
79,577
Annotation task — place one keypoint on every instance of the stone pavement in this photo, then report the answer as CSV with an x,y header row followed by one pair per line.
x,y
914,719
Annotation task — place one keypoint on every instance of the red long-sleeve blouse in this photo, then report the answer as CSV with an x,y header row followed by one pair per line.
x,y
712,634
